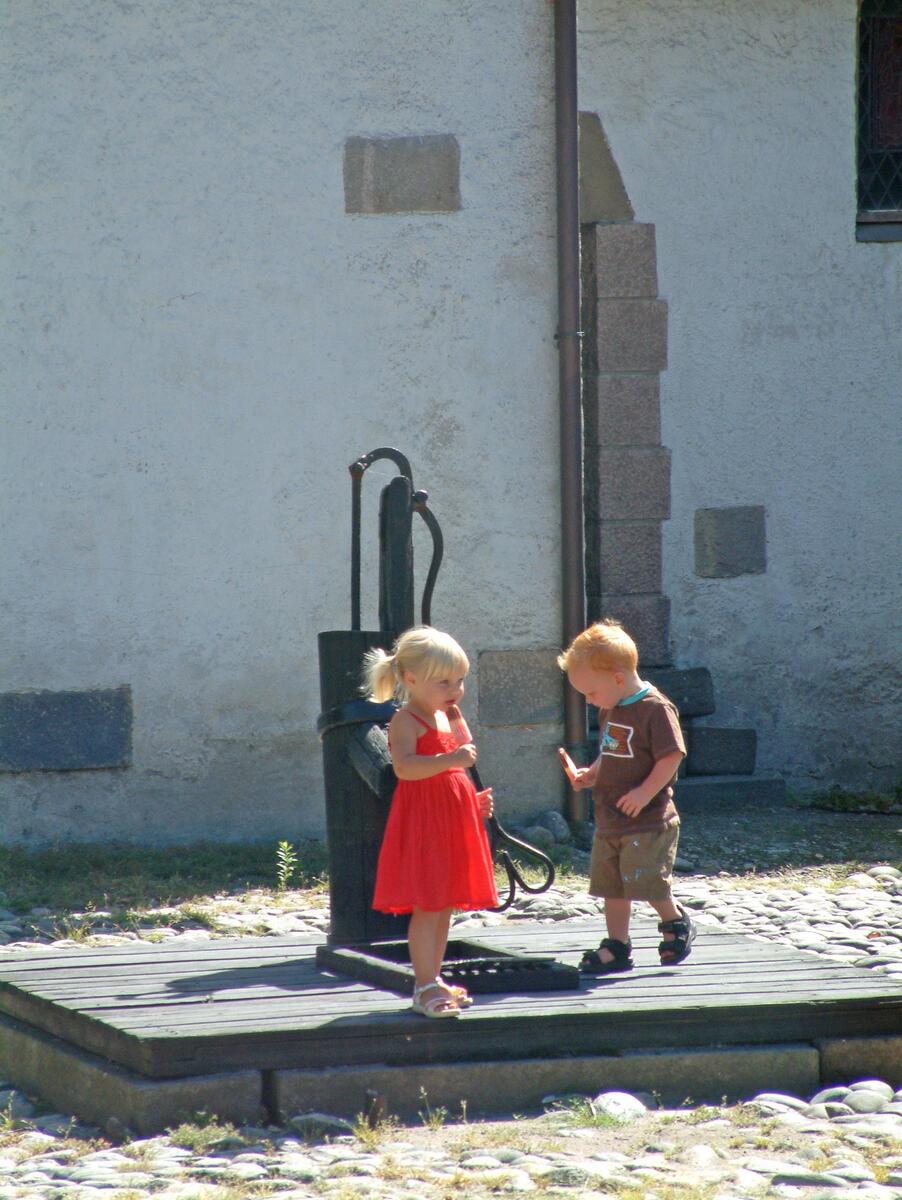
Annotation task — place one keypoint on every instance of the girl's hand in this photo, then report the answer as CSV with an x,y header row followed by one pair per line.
x,y
463,756
486,802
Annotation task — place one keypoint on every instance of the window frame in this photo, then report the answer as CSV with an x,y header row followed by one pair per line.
x,y
872,224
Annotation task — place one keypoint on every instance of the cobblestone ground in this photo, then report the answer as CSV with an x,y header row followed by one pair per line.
x,y
844,1142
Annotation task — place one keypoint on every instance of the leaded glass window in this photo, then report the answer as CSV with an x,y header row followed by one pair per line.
x,y
880,110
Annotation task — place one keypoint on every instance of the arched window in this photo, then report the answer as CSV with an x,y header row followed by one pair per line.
x,y
880,120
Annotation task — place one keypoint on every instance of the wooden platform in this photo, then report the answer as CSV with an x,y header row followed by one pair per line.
x,y
167,1011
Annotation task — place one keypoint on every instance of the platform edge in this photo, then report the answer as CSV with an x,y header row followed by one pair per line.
x,y
489,1088
81,1084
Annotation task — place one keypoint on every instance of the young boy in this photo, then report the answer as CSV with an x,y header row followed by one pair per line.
x,y
636,823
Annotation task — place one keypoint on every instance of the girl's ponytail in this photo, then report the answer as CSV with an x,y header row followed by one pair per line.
x,y
379,678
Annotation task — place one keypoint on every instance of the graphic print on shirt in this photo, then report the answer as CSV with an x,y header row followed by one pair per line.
x,y
617,741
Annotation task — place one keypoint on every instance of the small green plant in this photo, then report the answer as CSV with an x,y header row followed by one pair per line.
x,y
286,864
432,1118
579,1110
371,1133
8,1122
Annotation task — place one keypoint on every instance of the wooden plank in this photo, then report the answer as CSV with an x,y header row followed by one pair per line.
x,y
762,980
726,949
212,1017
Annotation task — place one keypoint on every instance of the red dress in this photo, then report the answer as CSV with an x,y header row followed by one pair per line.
x,y
435,852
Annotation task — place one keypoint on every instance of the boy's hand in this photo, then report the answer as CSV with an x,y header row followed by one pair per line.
x,y
486,802
633,802
584,777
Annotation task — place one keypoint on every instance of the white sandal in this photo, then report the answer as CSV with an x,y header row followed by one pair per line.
x,y
441,1005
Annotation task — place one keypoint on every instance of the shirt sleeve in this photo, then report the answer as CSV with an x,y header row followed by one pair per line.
x,y
664,732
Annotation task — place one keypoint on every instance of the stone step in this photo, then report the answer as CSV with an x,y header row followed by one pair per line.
x,y
713,751
697,793
690,688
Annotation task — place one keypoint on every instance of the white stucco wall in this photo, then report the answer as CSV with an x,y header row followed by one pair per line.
x,y
734,128
199,340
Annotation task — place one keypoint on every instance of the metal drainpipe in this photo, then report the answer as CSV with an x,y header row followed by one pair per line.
x,y
569,344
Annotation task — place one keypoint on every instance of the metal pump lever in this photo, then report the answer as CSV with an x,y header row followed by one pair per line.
x,y
499,838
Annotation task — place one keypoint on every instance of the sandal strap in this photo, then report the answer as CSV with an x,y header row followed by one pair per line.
x,y
441,1001
620,950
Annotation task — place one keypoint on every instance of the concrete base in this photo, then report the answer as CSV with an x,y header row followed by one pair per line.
x,y
845,1060
89,1087
86,1086
492,1088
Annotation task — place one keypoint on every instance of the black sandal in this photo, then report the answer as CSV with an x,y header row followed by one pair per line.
x,y
592,963
680,946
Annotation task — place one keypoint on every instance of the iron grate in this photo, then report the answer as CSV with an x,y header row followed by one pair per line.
x,y
880,106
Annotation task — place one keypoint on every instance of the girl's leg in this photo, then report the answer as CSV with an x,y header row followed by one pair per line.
x,y
442,929
460,994
427,936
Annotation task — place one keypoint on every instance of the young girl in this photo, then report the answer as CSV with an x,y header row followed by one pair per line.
x,y
435,854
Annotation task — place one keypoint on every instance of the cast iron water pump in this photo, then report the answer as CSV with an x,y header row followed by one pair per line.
x,y
360,781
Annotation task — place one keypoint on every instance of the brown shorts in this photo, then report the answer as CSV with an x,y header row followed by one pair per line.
x,y
634,866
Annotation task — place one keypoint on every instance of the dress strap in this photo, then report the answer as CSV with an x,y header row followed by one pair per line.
x,y
425,724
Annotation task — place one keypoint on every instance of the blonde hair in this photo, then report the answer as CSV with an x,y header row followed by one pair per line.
x,y
421,650
604,646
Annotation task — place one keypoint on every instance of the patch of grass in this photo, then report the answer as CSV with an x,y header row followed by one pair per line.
x,y
837,799
689,1114
201,1133
662,1191
748,1116
84,876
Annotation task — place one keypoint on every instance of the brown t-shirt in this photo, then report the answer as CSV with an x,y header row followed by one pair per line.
x,y
634,737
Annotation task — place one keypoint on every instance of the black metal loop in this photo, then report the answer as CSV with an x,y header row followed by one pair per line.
x,y
499,838
438,550
357,470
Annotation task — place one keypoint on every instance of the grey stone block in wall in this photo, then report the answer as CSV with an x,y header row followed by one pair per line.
x,y
66,731
690,688
625,261
402,174
647,620
632,335
629,410
602,196
715,751
730,542
630,556
520,687
634,484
